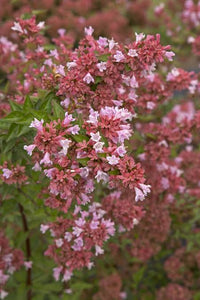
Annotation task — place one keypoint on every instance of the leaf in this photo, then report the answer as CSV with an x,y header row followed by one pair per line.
x,y
197,296
103,57
14,106
16,131
27,104
9,146
58,110
80,138
13,117
83,161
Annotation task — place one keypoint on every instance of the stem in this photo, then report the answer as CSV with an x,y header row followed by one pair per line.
x,y
28,251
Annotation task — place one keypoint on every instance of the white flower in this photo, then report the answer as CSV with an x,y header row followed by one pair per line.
x,y
112,160
44,228
36,167
67,276
3,294
60,70
102,66
101,176
132,53
139,36
93,117
99,250
17,27
112,44
59,243
71,64
68,236
29,149
41,25
77,231
28,265
88,78
89,30
6,173
37,124
119,56
65,144
139,195
46,159
98,147
121,150
95,136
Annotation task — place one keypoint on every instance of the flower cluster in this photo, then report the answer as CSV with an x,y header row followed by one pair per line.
x,y
10,261
109,141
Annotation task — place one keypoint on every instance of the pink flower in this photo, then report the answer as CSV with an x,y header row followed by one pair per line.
x,y
37,167
46,159
65,144
3,294
112,44
95,136
103,42
60,70
139,195
88,78
41,25
78,244
65,102
68,119
7,173
29,149
28,264
98,147
121,151
101,176
94,224
17,27
112,160
139,37
71,65
169,55
59,243
98,250
37,124
68,291
132,53
68,236
77,231
56,273
74,129
93,117
89,30
102,66
119,56
3,278
61,31
44,228
146,188
67,276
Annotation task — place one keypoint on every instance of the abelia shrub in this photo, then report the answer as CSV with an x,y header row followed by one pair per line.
x,y
100,156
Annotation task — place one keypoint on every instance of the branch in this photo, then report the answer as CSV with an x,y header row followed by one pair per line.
x,y
28,251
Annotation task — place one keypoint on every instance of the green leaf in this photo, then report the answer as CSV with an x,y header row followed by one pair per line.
x,y
58,110
83,161
16,131
13,117
80,138
27,104
14,106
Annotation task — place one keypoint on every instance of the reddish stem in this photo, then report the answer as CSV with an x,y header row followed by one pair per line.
x,y
28,251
